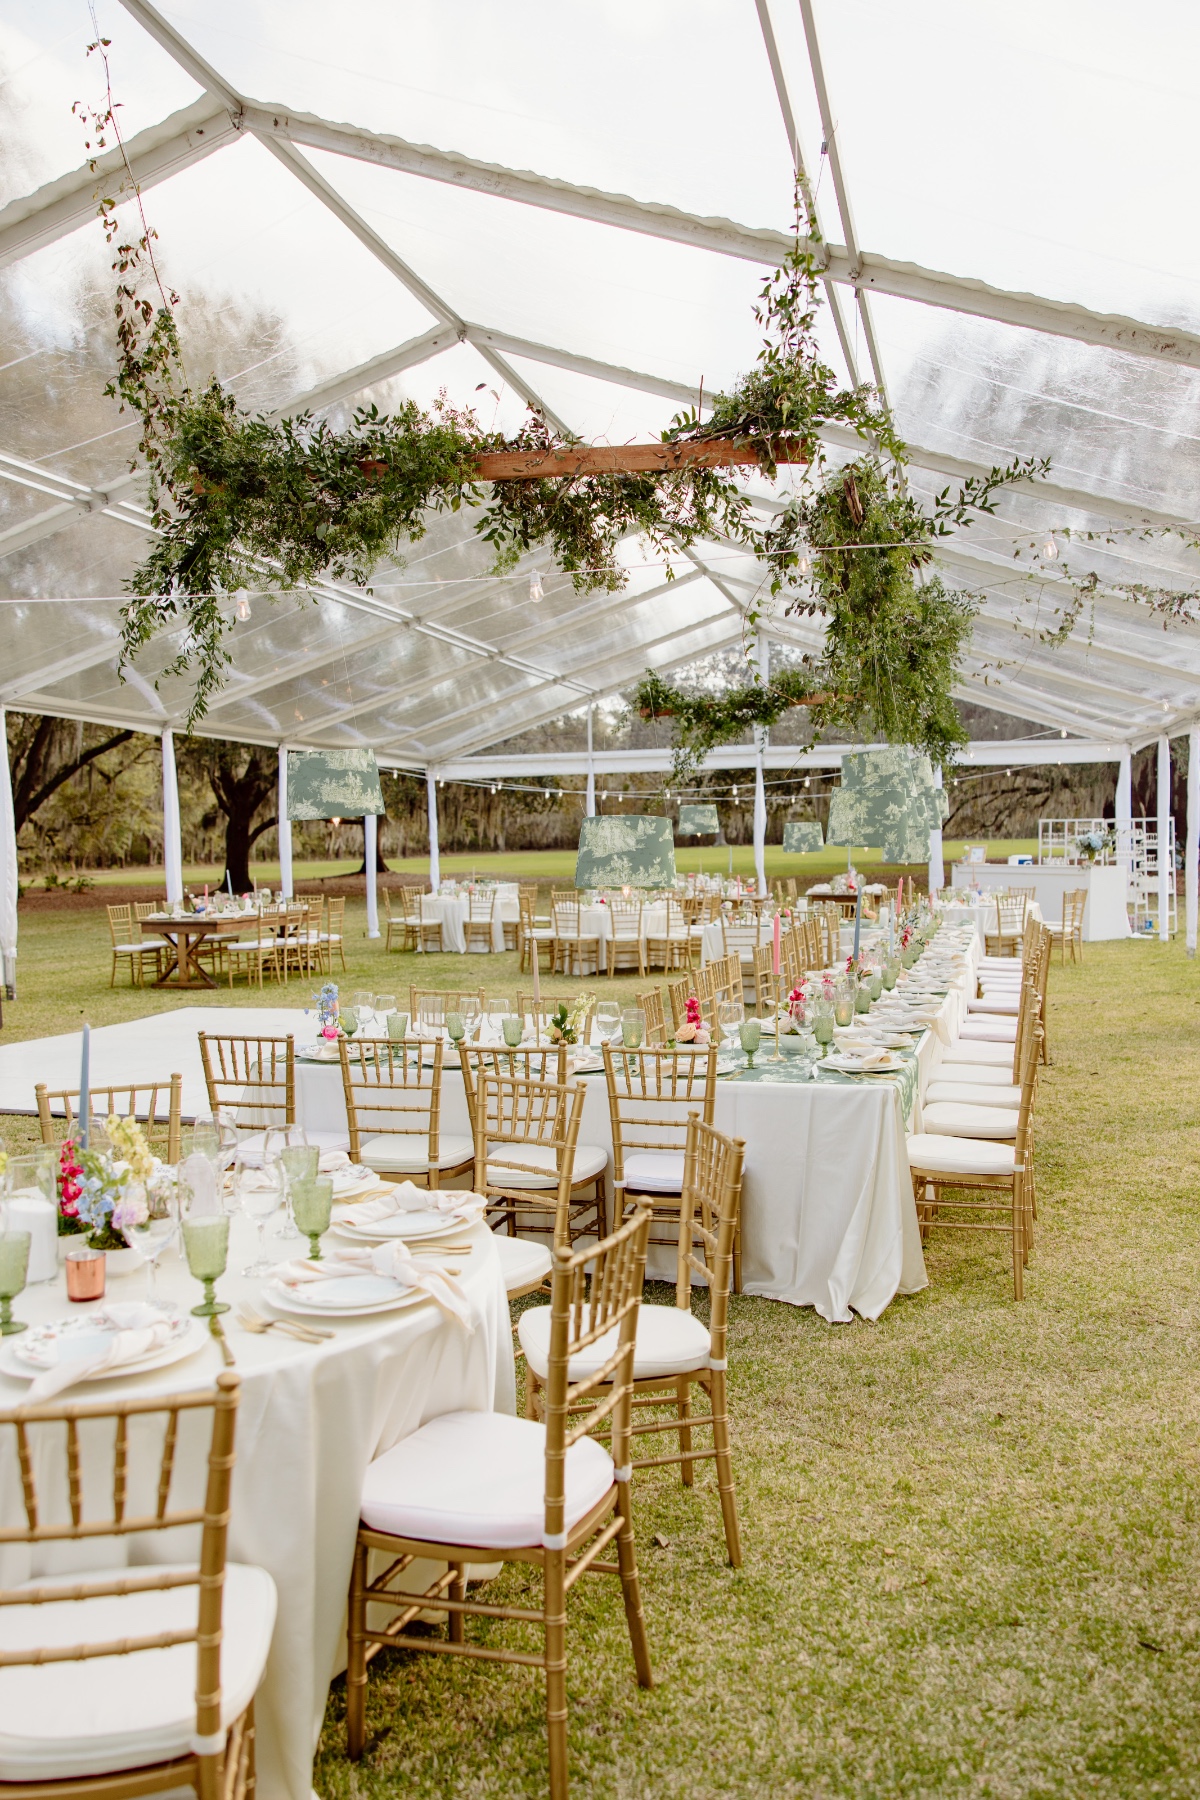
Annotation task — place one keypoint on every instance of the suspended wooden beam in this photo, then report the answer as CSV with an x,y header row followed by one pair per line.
x,y
619,459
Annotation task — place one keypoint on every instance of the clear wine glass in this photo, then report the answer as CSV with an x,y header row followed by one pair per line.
x,y
288,1146
608,1021
730,1014
156,1231
260,1193
205,1138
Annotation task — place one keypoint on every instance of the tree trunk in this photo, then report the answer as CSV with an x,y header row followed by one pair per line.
x,y
381,867
53,756
239,794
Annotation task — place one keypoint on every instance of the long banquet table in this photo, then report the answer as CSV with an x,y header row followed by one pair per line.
x,y
310,1420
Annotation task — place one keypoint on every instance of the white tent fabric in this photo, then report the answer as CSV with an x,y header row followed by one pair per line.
x,y
495,202
172,836
937,868
284,828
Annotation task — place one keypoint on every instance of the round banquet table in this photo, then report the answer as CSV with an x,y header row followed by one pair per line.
x,y
310,1420
454,910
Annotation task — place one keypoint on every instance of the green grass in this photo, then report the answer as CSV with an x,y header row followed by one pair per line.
x,y
554,865
970,1529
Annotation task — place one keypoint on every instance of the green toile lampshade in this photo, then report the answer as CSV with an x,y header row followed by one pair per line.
x,y
801,836
625,850
333,784
889,800
695,821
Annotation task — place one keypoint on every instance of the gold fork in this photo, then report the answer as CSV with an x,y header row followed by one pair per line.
x,y
306,1334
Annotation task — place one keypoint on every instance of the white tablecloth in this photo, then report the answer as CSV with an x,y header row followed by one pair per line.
x,y
981,914
453,910
310,1421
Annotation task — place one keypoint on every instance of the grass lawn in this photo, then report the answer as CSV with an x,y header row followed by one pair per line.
x,y
970,1529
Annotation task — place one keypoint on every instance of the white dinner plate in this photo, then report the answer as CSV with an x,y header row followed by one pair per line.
x,y
404,1225
348,1296
850,1065
81,1338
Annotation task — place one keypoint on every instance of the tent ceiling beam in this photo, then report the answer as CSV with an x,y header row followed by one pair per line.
x,y
155,154
380,368
984,753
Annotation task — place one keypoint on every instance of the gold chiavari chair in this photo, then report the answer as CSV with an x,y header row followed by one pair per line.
x,y
332,933
626,946
678,995
671,945
561,1502
1071,930
651,1002
677,1357
260,951
157,1106
703,990
432,1004
650,1095
480,920
764,976
790,885
1002,1173
129,946
528,1159
525,1266
403,926
1005,940
251,1082
533,935
429,927
97,1694
576,943
297,938
146,909
394,1109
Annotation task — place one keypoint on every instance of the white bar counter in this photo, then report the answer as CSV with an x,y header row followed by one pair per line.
x,y
1105,915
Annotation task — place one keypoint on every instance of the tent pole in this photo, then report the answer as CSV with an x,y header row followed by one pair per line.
x,y
284,828
1123,816
763,653
1165,874
371,858
8,872
591,769
1191,854
937,868
435,864
172,839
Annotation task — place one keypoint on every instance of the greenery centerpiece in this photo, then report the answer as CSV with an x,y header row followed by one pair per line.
x,y
109,1184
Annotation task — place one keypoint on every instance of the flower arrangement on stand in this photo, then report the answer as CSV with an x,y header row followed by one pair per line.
x,y
693,1030
565,1022
328,1008
1096,843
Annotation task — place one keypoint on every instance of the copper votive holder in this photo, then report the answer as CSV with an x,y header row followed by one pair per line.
x,y
85,1273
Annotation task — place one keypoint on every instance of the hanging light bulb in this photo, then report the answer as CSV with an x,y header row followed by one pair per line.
x,y
1063,732
808,781
536,590
804,565
242,609
494,788
604,794
1050,549
735,793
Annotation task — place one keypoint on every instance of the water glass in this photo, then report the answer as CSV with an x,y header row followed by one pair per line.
x,y
862,997
397,1026
348,1020
608,1020
14,1265
470,1017
312,1203
364,1009
260,1193
156,1230
730,1014
205,1139
384,1004
633,1027
206,1245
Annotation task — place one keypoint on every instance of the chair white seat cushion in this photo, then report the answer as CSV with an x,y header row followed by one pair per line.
x,y
670,1341
1006,963
65,1719
590,1161
654,1172
947,1156
959,1118
972,1093
522,1264
155,943
478,1479
981,1030
390,1153
995,1000
136,949
250,1149
973,1050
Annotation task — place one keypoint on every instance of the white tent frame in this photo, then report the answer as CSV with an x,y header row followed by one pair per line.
x,y
1131,686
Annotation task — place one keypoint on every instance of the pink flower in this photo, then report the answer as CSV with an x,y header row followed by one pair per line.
x,y
693,1010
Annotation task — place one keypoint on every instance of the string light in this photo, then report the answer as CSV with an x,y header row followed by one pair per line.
x,y
808,781
242,609
536,590
1063,732
804,565
1050,549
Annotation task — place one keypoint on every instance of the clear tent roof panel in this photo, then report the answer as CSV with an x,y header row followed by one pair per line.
x,y
611,328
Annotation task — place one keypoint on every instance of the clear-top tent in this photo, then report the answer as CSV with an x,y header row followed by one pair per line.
x,y
574,206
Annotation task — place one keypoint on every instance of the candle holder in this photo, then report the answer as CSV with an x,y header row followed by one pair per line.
x,y
206,1244
85,1273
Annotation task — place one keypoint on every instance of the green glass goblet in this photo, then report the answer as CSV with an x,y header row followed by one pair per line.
x,y
876,983
312,1205
750,1037
14,1264
513,1027
206,1245
455,1029
823,1028
397,1026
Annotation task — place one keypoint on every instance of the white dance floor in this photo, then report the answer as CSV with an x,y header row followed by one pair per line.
x,y
141,1050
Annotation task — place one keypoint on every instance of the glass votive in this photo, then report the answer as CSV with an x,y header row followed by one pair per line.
x,y
397,1026
299,1162
206,1245
312,1208
862,997
14,1263
633,1027
85,1273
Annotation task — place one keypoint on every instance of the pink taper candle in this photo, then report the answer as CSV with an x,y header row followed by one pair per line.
x,y
775,947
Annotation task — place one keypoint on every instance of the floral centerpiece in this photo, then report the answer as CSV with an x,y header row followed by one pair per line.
x,y
103,1190
565,1021
327,1011
1094,843
792,1019
693,1030
70,1176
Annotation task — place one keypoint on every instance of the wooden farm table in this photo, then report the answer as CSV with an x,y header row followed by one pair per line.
x,y
185,937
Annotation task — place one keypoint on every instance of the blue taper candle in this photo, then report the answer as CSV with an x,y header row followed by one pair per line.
x,y
85,1104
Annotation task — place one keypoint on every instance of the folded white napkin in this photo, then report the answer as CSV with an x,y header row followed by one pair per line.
x,y
140,1329
867,1056
332,1162
393,1261
406,1196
